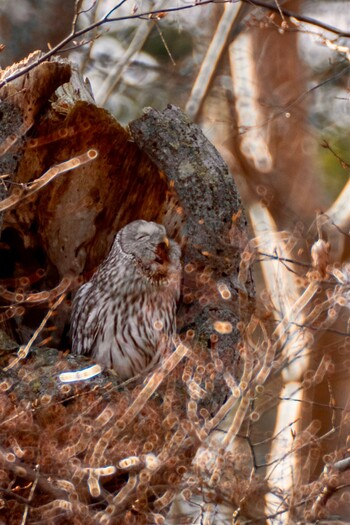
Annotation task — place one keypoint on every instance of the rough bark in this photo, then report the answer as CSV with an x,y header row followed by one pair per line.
x,y
213,224
20,103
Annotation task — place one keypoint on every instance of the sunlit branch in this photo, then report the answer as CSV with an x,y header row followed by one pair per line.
x,y
24,350
25,190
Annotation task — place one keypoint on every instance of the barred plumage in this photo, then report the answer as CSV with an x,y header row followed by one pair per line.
x,y
124,316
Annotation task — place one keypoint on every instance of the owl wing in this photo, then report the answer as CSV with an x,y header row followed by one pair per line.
x,y
86,323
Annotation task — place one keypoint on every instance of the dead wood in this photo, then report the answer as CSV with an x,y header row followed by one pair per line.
x,y
213,226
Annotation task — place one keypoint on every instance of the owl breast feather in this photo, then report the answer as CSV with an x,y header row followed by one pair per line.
x,y
123,320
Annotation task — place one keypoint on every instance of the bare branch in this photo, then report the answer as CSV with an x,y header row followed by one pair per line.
x,y
36,185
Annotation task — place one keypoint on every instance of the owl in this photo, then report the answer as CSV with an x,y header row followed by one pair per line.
x,y
124,316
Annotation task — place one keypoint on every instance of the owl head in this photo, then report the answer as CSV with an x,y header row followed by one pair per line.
x,y
147,244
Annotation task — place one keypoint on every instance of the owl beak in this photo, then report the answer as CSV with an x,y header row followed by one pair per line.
x,y
162,251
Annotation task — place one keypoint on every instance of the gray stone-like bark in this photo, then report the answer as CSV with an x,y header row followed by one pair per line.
x,y
212,222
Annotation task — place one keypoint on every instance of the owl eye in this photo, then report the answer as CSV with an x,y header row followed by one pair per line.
x,y
142,236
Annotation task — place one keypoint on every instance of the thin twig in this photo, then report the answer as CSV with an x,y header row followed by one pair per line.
x,y
24,471
149,14
24,351
31,494
297,16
